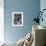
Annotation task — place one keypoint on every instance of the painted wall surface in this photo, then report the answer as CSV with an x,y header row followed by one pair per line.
x,y
43,6
28,7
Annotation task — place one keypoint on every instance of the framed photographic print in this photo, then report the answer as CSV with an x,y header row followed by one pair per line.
x,y
17,18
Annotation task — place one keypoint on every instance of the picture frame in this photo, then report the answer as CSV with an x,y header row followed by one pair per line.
x,y
17,18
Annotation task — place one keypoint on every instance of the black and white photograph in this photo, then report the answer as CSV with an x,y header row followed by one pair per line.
x,y
17,18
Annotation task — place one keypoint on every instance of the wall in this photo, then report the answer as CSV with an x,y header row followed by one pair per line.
x,y
43,6
28,7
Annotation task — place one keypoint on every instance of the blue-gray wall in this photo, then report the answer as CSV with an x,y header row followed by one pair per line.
x,y
43,6
29,8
